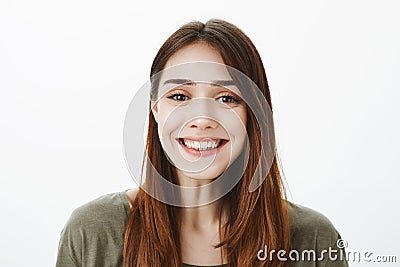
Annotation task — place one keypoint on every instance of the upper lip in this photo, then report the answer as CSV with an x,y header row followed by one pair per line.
x,y
202,138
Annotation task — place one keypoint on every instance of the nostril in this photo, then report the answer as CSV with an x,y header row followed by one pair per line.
x,y
203,123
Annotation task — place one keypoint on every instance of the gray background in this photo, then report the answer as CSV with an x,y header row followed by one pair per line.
x,y
69,70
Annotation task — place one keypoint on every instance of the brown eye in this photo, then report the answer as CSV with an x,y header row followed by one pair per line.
x,y
178,97
228,99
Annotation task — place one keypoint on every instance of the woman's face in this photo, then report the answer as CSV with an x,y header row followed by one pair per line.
x,y
201,124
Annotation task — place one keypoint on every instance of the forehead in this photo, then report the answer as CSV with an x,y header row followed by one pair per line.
x,y
197,62
195,52
193,64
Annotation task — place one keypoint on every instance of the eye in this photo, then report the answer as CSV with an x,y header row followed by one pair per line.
x,y
228,99
178,97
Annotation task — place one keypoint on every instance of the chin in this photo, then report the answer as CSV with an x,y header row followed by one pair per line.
x,y
206,175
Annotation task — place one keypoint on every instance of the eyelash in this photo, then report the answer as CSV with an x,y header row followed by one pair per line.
x,y
231,98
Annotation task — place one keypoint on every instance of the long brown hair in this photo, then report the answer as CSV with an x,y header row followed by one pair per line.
x,y
255,219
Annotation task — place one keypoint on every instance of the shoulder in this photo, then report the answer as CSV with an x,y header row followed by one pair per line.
x,y
304,218
93,229
109,209
313,235
100,210
309,227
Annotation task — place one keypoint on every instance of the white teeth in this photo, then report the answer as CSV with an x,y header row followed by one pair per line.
x,y
203,145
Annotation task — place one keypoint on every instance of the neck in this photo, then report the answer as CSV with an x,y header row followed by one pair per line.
x,y
201,211
203,217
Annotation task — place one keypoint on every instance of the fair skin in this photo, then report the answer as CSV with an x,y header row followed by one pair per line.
x,y
200,225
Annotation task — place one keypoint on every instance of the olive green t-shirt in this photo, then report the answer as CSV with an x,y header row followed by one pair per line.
x,y
94,236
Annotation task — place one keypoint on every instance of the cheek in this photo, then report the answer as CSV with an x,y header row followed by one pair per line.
x,y
240,130
237,129
240,125
243,116
168,119
240,138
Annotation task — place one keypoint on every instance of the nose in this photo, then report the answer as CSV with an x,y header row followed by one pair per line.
x,y
201,112
203,123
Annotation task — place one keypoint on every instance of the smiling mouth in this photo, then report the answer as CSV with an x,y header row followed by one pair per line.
x,y
206,144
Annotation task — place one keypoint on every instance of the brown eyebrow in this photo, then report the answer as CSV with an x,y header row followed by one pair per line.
x,y
190,82
179,81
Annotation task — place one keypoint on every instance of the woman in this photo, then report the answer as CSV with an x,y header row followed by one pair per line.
x,y
225,127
